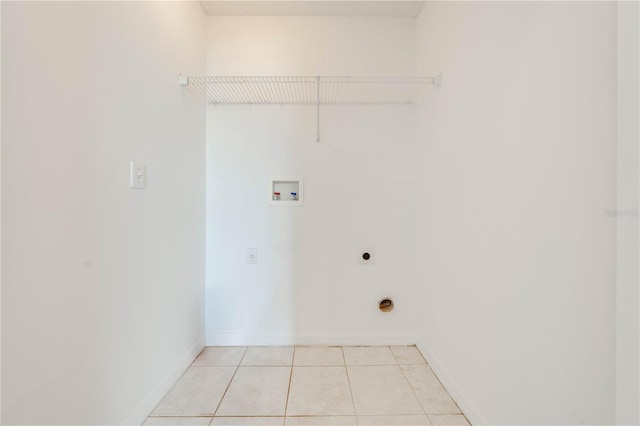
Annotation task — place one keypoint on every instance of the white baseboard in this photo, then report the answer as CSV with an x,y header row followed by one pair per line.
x,y
464,403
248,339
140,413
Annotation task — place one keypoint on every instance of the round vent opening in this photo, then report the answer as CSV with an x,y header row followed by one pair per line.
x,y
386,305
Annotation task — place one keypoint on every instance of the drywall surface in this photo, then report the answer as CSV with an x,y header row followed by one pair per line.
x,y
304,45
627,295
518,160
308,285
0,216
102,285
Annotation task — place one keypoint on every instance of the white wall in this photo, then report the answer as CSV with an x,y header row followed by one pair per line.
x,y
518,154
359,188
627,294
0,216
102,286
489,198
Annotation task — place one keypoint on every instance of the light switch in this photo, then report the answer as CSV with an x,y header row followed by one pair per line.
x,y
137,175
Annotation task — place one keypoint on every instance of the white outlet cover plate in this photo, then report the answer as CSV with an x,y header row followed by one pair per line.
x,y
372,256
137,175
252,256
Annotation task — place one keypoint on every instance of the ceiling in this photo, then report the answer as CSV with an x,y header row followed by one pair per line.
x,y
313,8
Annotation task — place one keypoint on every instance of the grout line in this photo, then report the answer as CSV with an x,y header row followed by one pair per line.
x,y
448,414
171,416
246,348
243,416
441,385
402,415
286,404
429,420
394,356
260,416
448,394
414,392
326,415
409,383
353,403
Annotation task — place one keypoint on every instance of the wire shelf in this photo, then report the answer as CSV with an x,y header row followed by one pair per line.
x,y
312,90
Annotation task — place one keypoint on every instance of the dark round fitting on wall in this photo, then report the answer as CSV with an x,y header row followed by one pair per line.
x,y
386,304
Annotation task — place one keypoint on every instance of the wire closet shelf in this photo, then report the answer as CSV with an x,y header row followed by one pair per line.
x,y
312,90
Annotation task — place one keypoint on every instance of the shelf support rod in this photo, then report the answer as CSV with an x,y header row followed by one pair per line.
x,y
317,109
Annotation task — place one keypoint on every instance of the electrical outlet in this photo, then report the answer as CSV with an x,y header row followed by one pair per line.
x,y
367,256
137,176
252,256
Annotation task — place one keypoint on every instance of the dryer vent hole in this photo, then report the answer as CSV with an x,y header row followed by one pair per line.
x,y
386,305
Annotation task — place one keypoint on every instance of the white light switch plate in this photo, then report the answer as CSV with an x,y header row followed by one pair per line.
x,y
137,175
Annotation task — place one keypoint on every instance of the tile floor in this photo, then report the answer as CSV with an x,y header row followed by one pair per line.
x,y
303,385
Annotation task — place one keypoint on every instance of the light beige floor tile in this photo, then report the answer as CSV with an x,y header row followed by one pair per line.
x,y
407,355
268,356
368,355
381,390
177,421
432,396
220,355
411,420
247,421
196,393
256,391
448,420
319,391
321,421
318,356
379,394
